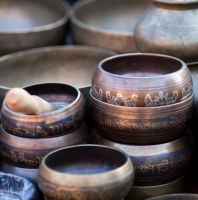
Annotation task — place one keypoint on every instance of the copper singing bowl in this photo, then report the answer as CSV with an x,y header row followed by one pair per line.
x,y
26,24
73,65
155,164
142,80
68,115
141,125
29,173
176,197
14,187
28,153
109,24
169,27
143,192
86,172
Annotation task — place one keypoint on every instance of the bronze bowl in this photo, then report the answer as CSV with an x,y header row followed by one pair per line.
x,y
68,115
176,197
86,172
72,65
113,29
141,125
142,80
29,173
143,192
26,24
155,164
14,187
28,152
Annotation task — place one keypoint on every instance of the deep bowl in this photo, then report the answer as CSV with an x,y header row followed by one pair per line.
x,y
155,164
176,197
28,152
17,188
26,24
141,125
86,172
142,80
66,118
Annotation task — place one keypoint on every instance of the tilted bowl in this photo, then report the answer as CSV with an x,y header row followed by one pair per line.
x,y
142,80
155,164
176,197
86,172
26,24
67,117
28,152
141,125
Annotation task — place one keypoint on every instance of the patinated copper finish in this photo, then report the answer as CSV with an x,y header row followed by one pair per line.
x,y
142,80
141,125
86,172
73,65
109,24
143,192
27,24
28,152
29,173
155,164
176,197
66,118
170,27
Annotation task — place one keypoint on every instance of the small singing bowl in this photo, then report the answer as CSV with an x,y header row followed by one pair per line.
x,y
155,164
86,172
176,197
28,152
141,125
143,192
66,118
142,80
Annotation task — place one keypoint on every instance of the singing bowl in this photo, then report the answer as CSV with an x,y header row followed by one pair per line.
x,y
141,125
86,172
17,188
176,197
67,117
108,24
155,164
142,80
28,153
143,192
29,173
72,65
26,24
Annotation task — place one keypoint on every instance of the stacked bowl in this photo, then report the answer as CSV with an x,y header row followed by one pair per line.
x,y
142,103
25,139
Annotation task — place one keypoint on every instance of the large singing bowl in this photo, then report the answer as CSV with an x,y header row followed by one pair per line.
x,y
176,197
27,24
73,65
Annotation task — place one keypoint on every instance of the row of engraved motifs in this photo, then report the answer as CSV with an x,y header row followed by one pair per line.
x,y
164,166
56,129
163,98
19,157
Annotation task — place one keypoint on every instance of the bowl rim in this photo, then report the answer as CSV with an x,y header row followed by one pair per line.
x,y
63,20
145,109
41,143
90,179
78,97
77,22
174,195
138,54
177,2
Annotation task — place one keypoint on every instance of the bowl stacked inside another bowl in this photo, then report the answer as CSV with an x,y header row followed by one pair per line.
x,y
25,139
145,101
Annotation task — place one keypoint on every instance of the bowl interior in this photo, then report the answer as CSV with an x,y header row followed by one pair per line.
x,y
60,95
141,65
117,15
23,14
85,160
